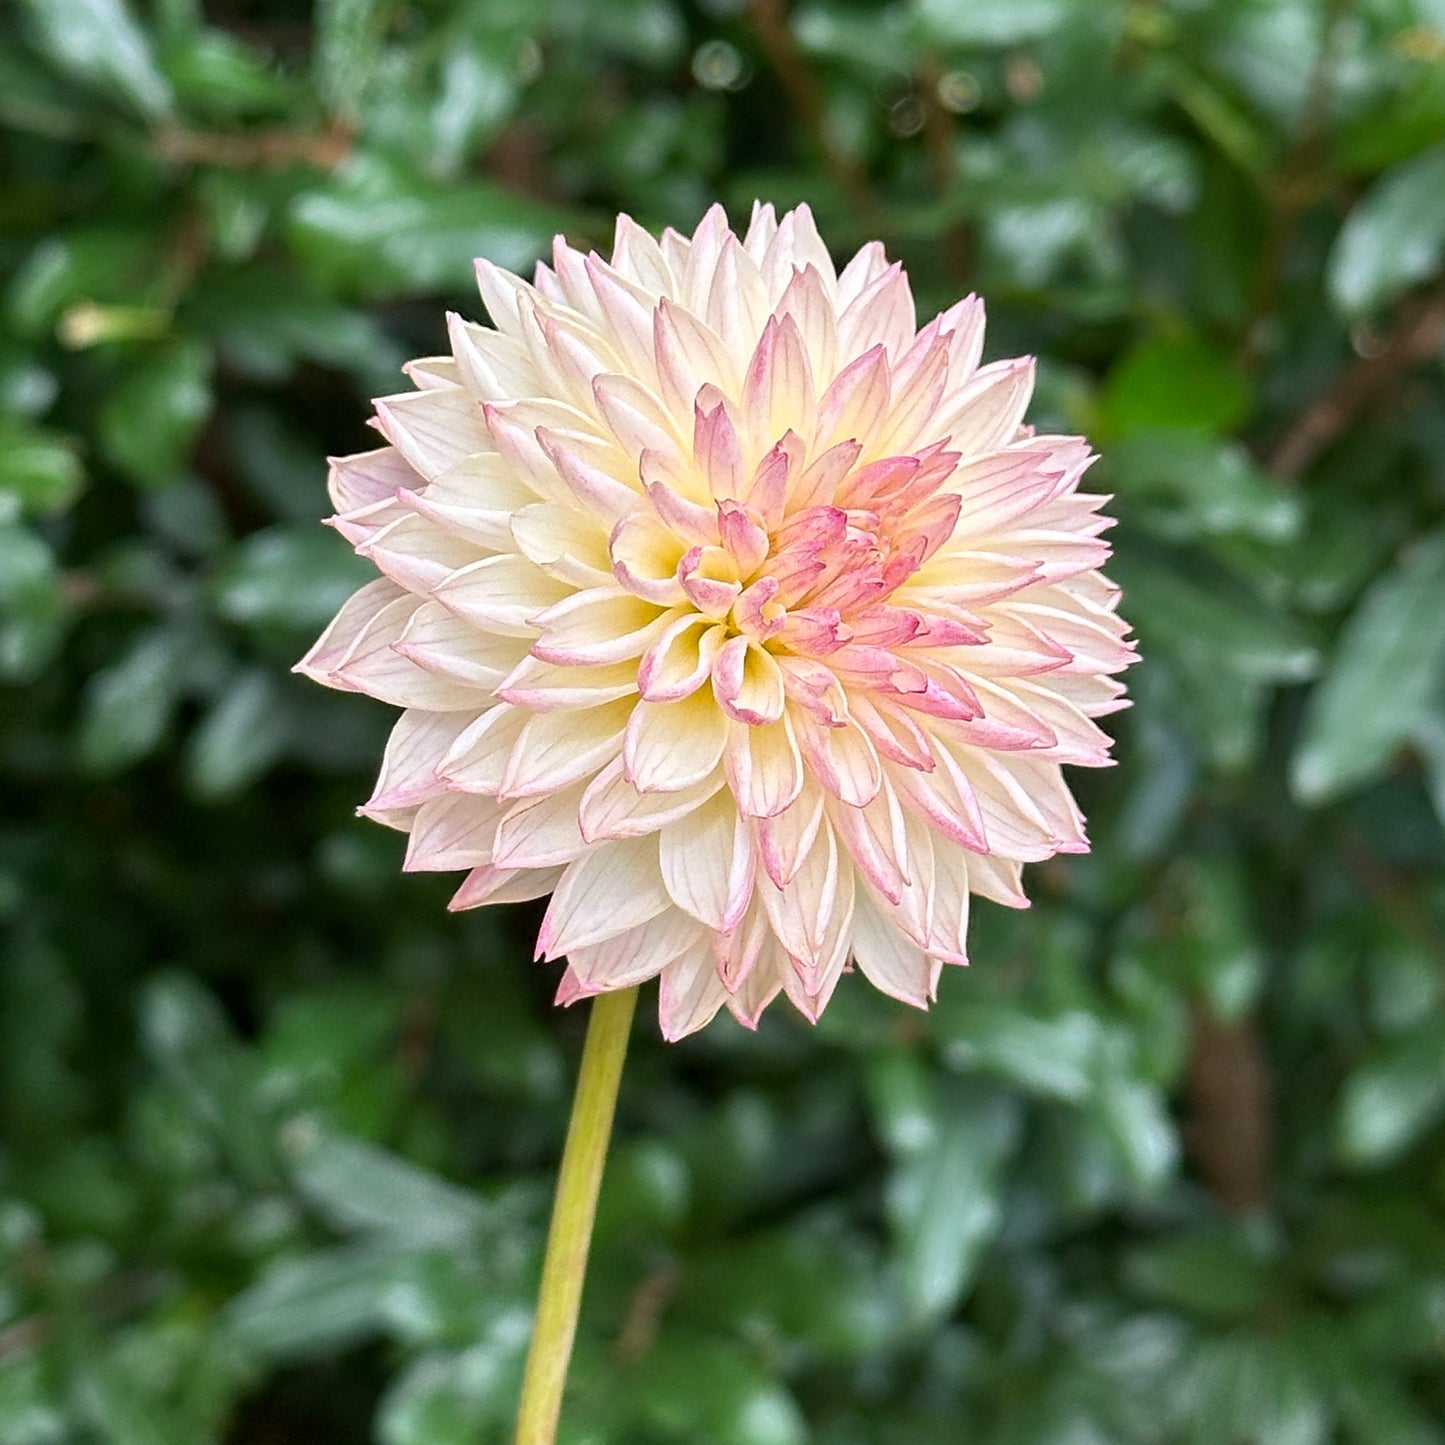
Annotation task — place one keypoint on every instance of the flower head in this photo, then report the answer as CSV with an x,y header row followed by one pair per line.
x,y
731,609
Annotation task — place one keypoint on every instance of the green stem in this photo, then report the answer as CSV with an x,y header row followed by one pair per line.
x,y
575,1208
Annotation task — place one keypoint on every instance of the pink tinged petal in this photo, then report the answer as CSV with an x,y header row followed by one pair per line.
x,y
690,993
612,807
947,694
375,666
810,982
747,682
487,884
753,995
645,555
541,832
948,928
598,625
555,749
474,499
785,840
513,428
762,227
876,839
635,956
997,879
636,255
814,631
694,258
1006,720
593,471
614,887
764,767
709,580
895,734
815,688
625,307
673,745
778,393
502,294
708,864
689,356
866,266
545,687
575,355
361,525
367,478
1076,738
768,490
799,913
1015,825
477,761
888,960
418,742
1094,641
843,760
882,313
737,303
913,913
350,625
917,391
680,660
810,306
433,430
963,325
679,496
417,553
997,490
819,484
715,447
737,953
452,648
945,798
502,594
743,536
491,366
986,413
564,542
856,401
453,831
635,415
796,244
756,612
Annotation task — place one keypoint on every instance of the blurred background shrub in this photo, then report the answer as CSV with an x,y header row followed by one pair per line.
x,y
278,1133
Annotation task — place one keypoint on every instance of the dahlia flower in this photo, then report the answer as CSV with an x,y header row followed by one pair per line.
x,y
732,609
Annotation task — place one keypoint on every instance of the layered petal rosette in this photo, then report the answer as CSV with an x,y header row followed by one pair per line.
x,y
733,610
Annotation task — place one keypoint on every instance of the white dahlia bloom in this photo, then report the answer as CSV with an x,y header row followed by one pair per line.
x,y
731,609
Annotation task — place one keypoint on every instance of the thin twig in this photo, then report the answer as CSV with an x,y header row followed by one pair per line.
x,y
938,139
1415,334
271,148
770,18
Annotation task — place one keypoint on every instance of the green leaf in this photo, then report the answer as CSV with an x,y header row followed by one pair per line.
x,y
994,22
1052,1057
1394,237
1381,681
240,737
294,577
1188,486
697,1387
1171,384
360,1188
101,43
378,231
39,468
348,49
32,608
442,1398
150,421
1392,1098
129,705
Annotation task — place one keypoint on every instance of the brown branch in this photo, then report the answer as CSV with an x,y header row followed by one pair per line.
x,y
1299,182
1415,334
1230,1131
770,19
271,148
938,140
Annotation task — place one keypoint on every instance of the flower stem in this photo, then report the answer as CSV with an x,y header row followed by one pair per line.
x,y
573,1211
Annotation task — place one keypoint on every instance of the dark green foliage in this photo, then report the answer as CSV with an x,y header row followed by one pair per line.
x,y
279,1133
